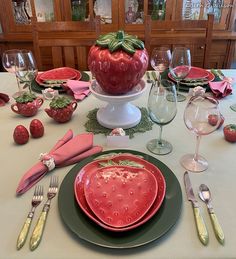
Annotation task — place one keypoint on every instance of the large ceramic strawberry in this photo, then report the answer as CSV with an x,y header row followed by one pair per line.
x,y
118,61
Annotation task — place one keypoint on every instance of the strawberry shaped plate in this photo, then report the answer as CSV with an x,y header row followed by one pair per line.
x,y
58,77
118,159
61,73
120,195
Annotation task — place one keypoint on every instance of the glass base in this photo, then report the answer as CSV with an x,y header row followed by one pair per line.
x,y
180,97
17,94
233,107
190,164
158,148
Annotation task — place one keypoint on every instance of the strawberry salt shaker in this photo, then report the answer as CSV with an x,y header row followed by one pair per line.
x,y
20,135
36,128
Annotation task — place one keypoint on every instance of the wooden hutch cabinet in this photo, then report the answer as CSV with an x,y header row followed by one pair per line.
x,y
16,27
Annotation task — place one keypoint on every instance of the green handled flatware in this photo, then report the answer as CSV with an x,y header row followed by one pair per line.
x,y
200,224
36,200
39,228
205,195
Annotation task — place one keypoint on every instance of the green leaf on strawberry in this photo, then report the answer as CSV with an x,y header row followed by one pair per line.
x,y
120,40
26,97
60,102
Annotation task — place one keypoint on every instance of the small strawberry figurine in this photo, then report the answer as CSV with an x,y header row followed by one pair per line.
x,y
36,128
20,135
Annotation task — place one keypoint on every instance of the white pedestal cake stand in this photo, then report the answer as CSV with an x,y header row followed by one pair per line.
x,y
119,112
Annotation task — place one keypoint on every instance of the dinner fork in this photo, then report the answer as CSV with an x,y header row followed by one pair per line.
x,y
38,230
36,200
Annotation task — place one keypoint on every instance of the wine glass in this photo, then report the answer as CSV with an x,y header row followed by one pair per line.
x,y
180,66
10,60
162,108
196,118
27,68
160,60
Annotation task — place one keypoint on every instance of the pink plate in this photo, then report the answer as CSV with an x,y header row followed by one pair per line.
x,y
40,78
61,73
84,173
120,195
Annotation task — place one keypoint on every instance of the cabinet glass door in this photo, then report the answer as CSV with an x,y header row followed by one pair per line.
x,y
134,11
79,10
104,9
157,9
198,10
44,10
20,10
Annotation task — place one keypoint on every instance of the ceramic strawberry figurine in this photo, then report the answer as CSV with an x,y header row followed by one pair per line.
x,y
20,135
61,109
27,104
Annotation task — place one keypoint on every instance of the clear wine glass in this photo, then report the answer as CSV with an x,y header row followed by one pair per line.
x,y
160,60
162,108
180,66
196,118
27,68
10,60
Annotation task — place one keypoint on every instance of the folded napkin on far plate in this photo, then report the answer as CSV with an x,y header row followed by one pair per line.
x,y
79,89
67,151
221,88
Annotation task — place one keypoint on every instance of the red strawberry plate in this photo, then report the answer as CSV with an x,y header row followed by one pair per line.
x,y
120,195
89,171
61,73
56,76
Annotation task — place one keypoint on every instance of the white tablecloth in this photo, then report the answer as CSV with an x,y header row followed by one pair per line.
x,y
58,242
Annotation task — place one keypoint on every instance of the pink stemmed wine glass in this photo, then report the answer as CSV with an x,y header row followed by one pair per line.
x,y
160,60
180,66
196,118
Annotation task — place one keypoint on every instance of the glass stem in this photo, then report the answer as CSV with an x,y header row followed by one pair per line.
x,y
18,83
159,140
30,86
177,90
197,148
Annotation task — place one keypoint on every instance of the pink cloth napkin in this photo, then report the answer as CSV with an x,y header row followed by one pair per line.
x,y
79,89
222,88
67,151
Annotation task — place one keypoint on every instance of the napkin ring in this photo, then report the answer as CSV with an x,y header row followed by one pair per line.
x,y
47,160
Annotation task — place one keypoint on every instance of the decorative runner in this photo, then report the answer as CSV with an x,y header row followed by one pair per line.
x,y
92,124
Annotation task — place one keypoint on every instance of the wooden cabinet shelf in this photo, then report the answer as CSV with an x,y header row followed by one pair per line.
x,y
119,14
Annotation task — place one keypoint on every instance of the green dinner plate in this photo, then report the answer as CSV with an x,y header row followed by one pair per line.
x,y
75,219
38,88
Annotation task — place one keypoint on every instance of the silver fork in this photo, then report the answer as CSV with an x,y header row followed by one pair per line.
x,y
36,200
38,230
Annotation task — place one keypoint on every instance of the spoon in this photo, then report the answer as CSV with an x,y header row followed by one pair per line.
x,y
205,195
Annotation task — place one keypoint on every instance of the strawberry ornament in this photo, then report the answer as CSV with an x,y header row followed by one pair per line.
x,y
36,128
20,135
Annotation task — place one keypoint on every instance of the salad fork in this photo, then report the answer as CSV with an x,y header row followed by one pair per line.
x,y
36,200
38,230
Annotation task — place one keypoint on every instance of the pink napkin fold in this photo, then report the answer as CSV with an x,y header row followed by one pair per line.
x,y
67,151
222,88
79,89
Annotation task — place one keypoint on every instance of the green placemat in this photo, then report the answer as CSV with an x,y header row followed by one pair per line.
x,y
92,124
185,88
38,88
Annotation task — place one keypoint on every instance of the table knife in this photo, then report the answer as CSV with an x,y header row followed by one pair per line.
x,y
200,224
